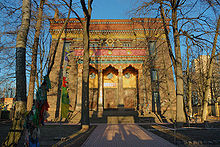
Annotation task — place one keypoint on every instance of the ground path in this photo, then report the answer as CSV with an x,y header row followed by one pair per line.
x,y
124,135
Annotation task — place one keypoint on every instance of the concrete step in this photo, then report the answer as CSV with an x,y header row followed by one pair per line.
x,y
122,116
120,112
120,120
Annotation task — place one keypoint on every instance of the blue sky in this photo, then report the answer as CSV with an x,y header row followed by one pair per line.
x,y
112,9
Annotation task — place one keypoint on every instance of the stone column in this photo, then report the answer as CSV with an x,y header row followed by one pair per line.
x,y
141,89
100,98
79,90
120,88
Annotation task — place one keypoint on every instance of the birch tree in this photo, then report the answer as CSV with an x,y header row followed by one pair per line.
x,y
20,106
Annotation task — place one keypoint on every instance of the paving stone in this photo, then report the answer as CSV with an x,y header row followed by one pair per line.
x,y
124,135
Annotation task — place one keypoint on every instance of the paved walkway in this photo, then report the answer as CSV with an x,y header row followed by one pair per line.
x,y
124,135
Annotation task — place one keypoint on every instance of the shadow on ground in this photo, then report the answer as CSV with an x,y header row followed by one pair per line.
x,y
196,134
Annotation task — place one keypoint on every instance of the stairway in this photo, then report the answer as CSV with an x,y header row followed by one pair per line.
x,y
115,116
120,116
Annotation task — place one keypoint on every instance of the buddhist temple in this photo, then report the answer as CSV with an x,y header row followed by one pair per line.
x,y
130,67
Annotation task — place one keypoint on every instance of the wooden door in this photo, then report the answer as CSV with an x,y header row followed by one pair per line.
x,y
110,98
130,97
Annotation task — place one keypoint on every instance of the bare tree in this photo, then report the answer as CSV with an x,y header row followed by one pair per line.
x,y
209,73
10,16
172,7
87,11
20,106
34,57
184,23
85,75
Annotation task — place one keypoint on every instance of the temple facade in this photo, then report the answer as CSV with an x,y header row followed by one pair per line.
x,y
130,66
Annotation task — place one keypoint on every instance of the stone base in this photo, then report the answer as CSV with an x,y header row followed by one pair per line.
x,y
100,109
120,119
78,107
100,114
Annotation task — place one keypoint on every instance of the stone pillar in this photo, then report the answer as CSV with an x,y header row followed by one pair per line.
x,y
141,89
79,90
120,88
100,101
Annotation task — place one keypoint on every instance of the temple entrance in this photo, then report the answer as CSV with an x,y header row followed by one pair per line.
x,y
110,98
110,85
130,98
114,88
130,84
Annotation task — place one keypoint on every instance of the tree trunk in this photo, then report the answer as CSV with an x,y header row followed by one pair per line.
x,y
189,84
180,115
209,74
20,106
167,36
85,75
190,98
177,61
34,58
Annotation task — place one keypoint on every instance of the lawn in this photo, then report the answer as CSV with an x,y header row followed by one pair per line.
x,y
196,134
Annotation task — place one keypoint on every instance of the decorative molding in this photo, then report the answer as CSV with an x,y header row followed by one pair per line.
x,y
113,61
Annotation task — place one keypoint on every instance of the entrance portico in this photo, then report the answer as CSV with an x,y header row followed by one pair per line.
x,y
113,86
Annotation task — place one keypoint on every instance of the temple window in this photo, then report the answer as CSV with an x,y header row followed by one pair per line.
x,y
152,47
92,75
127,75
66,46
154,75
110,76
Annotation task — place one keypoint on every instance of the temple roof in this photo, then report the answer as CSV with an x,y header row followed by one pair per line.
x,y
111,24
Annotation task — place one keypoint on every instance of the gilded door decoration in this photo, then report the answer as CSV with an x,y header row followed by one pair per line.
x,y
110,76
130,87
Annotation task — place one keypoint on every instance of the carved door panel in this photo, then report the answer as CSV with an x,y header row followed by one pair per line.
x,y
110,98
130,97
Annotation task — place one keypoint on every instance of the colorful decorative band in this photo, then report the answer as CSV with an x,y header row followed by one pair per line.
x,y
113,61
